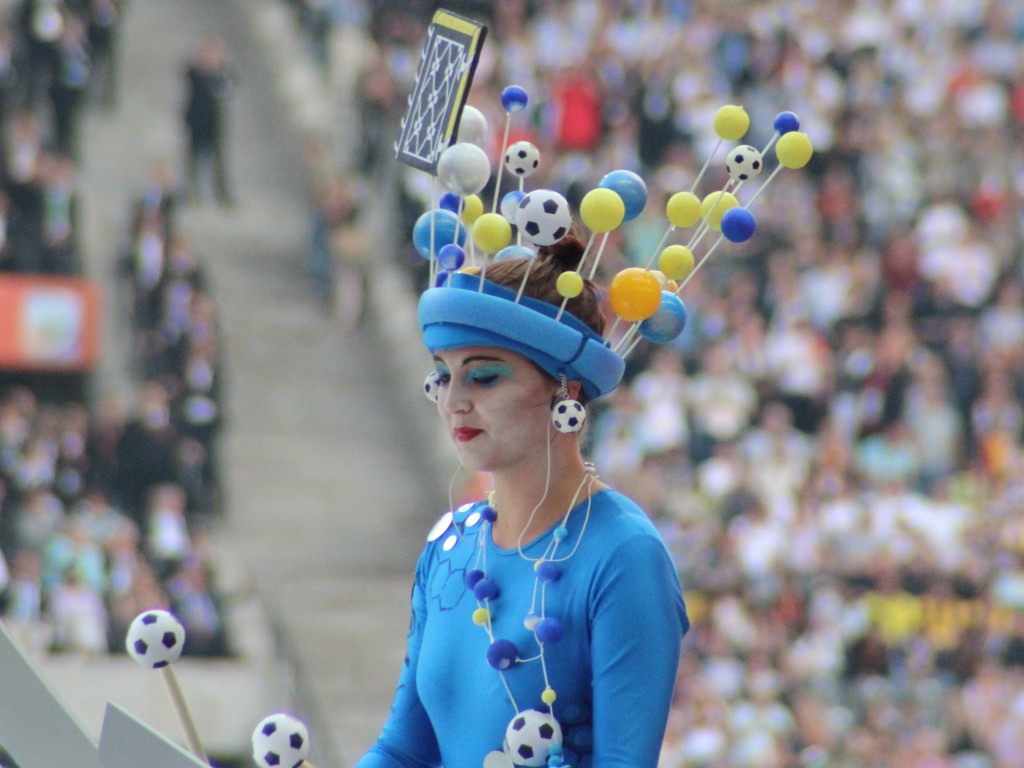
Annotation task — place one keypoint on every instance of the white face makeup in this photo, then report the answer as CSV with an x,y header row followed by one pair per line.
x,y
495,405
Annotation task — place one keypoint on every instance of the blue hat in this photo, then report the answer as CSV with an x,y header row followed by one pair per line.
x,y
469,311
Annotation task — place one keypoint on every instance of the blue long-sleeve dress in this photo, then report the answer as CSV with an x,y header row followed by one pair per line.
x,y
616,596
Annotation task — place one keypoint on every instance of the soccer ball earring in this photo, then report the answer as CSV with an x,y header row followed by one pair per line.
x,y
432,386
567,415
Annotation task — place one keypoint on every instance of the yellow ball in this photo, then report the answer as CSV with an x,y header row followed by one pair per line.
x,y
634,294
491,232
472,208
470,270
602,209
676,262
794,149
548,696
569,285
481,616
683,209
672,286
714,207
731,122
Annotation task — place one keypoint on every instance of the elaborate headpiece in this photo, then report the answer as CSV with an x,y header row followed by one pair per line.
x,y
464,308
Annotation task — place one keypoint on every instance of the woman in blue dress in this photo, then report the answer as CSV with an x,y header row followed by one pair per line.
x,y
546,619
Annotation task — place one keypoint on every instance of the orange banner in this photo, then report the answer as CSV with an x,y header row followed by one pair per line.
x,y
48,323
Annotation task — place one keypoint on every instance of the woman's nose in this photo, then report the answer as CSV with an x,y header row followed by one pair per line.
x,y
454,398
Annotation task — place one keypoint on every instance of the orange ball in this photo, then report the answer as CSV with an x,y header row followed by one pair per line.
x,y
634,294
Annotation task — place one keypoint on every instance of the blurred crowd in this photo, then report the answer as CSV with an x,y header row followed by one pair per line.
x,y
57,59
105,511
833,447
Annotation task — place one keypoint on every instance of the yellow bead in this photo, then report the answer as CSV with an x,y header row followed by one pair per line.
x,y
470,270
731,122
714,207
472,209
491,232
549,696
491,499
794,150
602,209
569,285
676,262
683,209
481,616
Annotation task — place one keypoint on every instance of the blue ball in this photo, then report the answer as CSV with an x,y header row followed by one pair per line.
x,y
441,278
447,229
548,571
473,577
488,513
667,322
451,257
502,654
514,252
449,201
786,122
630,187
514,98
510,202
738,225
485,589
549,630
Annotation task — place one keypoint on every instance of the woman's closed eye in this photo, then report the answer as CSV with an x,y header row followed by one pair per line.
x,y
487,375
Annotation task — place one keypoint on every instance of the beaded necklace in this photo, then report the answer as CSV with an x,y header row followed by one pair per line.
x,y
530,740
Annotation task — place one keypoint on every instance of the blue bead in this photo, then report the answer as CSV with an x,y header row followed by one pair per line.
x,y
450,202
509,203
667,322
451,257
514,252
441,278
485,589
630,187
561,532
501,654
513,98
488,513
738,225
548,571
549,630
473,577
786,122
438,227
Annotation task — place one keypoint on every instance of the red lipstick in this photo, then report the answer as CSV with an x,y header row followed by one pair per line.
x,y
465,434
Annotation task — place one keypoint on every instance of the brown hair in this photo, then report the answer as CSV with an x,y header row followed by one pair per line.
x,y
544,270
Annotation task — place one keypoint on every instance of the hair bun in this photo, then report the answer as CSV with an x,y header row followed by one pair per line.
x,y
564,255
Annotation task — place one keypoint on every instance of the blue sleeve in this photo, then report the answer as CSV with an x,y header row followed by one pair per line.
x,y
637,626
407,739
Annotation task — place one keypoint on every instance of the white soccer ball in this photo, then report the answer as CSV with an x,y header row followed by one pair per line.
x,y
280,741
432,386
522,159
543,217
744,163
529,737
568,416
155,639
